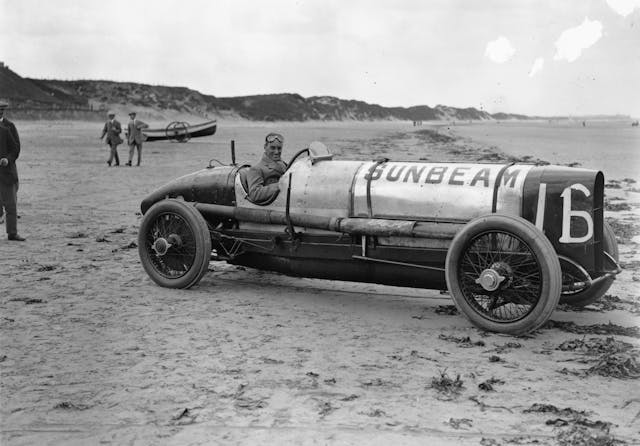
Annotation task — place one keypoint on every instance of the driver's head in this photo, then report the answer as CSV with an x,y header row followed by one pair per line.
x,y
273,146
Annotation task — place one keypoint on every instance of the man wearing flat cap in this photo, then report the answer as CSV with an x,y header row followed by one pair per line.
x,y
9,153
135,136
263,178
112,129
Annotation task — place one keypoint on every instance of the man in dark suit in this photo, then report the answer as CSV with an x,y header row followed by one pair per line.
x,y
9,153
135,137
262,178
112,129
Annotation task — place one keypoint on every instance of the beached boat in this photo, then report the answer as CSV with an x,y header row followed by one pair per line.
x,y
181,131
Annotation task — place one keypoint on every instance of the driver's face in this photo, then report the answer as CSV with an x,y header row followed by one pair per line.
x,y
273,150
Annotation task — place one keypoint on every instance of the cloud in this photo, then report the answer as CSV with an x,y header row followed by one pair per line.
x,y
500,50
573,41
623,7
537,66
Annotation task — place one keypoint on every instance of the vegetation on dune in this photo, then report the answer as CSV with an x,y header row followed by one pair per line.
x,y
98,95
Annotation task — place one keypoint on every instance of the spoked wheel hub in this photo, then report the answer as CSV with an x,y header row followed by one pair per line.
x,y
162,245
492,278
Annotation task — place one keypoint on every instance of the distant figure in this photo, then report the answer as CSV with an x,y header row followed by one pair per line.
x,y
262,178
9,153
135,138
584,123
112,129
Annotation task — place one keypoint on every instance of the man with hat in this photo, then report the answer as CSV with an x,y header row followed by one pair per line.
x,y
112,129
135,137
263,178
9,152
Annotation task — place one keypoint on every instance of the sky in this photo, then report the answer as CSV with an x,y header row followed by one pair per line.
x,y
542,57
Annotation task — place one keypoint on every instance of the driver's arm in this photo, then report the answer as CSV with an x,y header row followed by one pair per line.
x,y
259,192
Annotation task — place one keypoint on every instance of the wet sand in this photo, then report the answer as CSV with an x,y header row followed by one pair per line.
x,y
93,352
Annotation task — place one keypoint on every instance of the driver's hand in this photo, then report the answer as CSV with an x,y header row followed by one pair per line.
x,y
4,162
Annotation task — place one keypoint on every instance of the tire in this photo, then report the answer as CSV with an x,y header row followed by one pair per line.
x,y
174,244
595,292
520,271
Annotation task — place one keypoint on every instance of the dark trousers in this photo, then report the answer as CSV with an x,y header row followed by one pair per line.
x,y
132,148
114,154
8,199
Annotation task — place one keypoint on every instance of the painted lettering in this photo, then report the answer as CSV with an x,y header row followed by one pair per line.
x,y
458,171
482,175
392,176
377,173
568,214
436,174
414,172
421,173
510,176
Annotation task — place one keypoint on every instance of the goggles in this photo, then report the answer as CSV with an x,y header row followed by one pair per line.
x,y
273,137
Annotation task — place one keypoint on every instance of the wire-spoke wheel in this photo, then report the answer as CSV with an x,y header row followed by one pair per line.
x,y
178,131
595,292
174,244
503,274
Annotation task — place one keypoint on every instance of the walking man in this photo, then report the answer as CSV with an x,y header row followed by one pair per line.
x,y
135,137
9,152
112,129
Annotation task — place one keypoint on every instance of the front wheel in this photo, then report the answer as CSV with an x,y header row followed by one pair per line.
x,y
174,244
503,274
595,292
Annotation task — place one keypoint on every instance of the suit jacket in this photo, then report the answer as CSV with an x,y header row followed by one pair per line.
x,y
112,130
262,179
134,131
10,149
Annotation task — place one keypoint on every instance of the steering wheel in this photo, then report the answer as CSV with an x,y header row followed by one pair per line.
x,y
296,156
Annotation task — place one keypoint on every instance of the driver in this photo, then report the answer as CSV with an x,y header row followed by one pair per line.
x,y
262,178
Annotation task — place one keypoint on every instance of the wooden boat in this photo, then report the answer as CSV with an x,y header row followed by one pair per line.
x,y
181,131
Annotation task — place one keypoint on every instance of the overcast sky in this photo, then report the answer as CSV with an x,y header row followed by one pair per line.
x,y
533,57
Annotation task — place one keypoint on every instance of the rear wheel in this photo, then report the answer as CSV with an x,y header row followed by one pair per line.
x,y
595,292
503,274
174,244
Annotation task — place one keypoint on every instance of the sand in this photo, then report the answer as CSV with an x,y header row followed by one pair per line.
x,y
93,352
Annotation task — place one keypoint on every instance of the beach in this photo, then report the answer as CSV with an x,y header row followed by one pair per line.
x,y
607,145
93,352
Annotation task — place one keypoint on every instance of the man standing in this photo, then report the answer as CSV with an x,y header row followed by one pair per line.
x,y
262,179
9,152
112,129
135,137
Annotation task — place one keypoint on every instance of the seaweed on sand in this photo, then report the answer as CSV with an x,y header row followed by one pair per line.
x,y
433,136
449,388
585,436
602,329
615,207
461,341
579,430
624,231
567,412
596,346
617,365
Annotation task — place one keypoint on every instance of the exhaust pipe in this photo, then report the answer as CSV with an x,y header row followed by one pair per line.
x,y
347,225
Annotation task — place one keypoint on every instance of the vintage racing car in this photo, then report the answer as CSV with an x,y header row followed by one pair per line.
x,y
509,241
